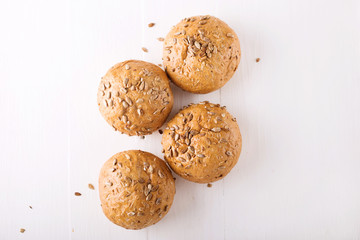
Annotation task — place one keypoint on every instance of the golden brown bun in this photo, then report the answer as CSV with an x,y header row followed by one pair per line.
x,y
201,54
136,189
135,97
202,143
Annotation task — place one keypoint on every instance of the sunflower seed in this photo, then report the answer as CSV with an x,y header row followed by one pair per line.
x,y
106,103
125,104
149,197
230,35
188,156
140,111
197,44
174,40
124,119
102,93
124,90
161,175
177,136
128,100
228,153
127,156
107,85
178,33
127,67
191,149
158,201
181,159
200,155
184,150
155,188
151,169
216,129
126,81
140,100
131,214
202,22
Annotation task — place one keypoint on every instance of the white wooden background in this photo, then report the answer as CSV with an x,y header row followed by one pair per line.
x,y
298,109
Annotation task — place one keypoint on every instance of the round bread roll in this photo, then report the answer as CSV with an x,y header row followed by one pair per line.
x,y
201,54
136,189
135,97
202,143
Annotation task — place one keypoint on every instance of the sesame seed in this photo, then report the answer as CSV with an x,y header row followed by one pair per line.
x,y
91,186
151,25
145,49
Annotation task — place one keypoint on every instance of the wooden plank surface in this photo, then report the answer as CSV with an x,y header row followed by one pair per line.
x,y
298,109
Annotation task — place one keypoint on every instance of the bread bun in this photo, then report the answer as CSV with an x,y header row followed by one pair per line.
x,y
135,98
136,189
202,143
201,54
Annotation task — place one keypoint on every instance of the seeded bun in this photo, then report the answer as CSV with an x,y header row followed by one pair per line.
x,y
202,143
201,54
135,97
136,189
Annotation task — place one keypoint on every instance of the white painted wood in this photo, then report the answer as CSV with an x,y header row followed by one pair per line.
x,y
298,111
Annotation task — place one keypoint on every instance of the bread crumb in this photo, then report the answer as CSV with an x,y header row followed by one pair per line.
x,y
77,194
151,25
91,186
209,185
161,39
144,49
257,60
22,230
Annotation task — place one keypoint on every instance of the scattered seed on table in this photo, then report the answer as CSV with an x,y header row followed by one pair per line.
x,y
257,60
22,230
151,25
91,186
209,185
161,39
77,194
144,49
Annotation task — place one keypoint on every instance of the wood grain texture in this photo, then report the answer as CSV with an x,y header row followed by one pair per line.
x,y
298,110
